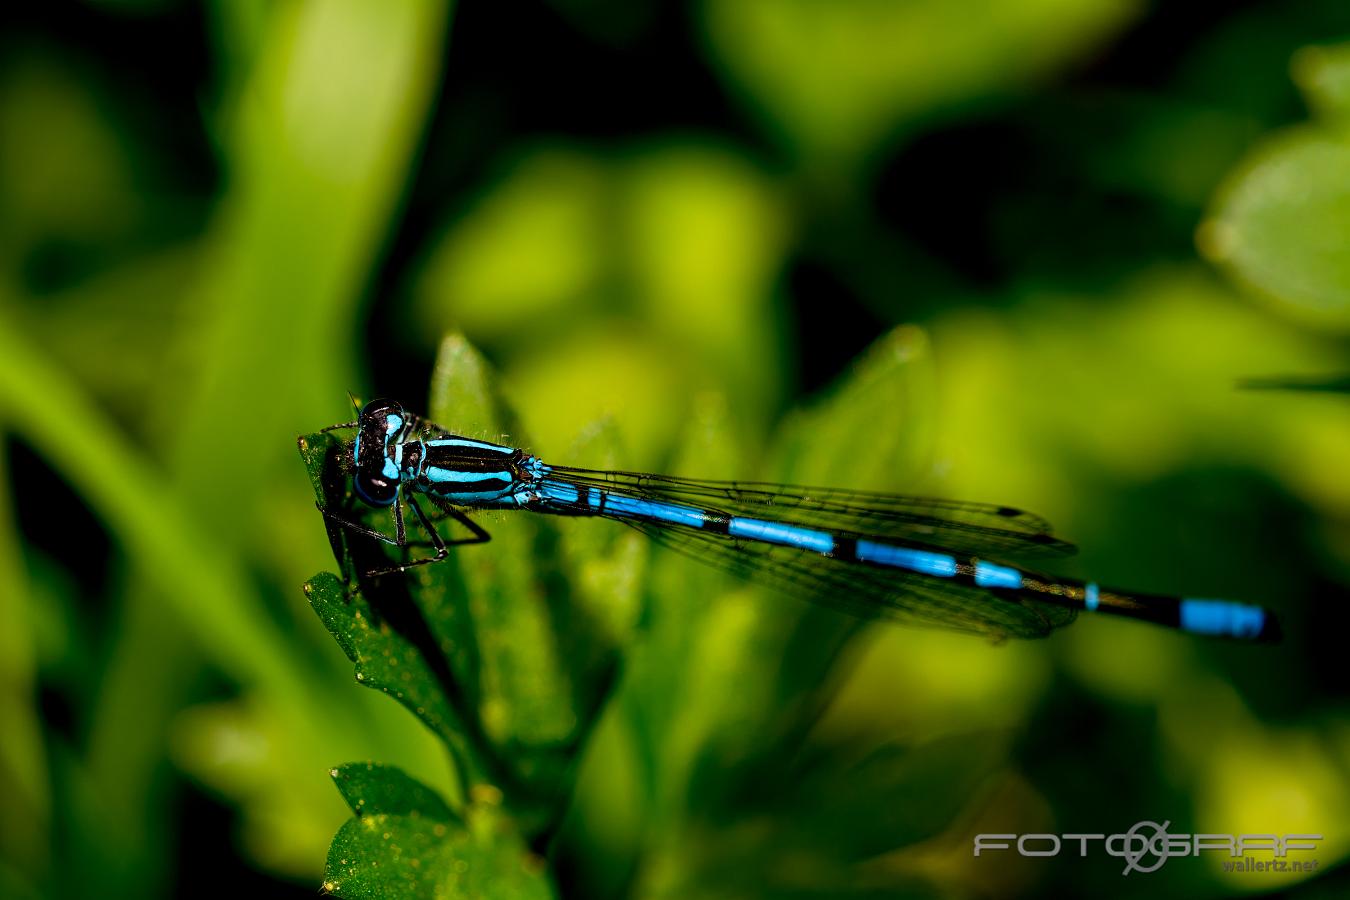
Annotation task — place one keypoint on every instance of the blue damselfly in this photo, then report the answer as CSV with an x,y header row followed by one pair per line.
x,y
927,561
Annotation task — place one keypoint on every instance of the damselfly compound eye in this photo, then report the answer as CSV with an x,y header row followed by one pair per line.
x,y
377,431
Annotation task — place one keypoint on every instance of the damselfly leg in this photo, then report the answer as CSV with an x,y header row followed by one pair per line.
x,y
478,534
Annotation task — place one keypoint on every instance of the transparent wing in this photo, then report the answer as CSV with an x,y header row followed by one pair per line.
x,y
976,529
424,429
865,591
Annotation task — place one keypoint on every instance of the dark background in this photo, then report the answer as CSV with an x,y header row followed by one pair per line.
x,y
215,220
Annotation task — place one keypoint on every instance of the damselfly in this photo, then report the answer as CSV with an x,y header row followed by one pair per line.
x,y
914,559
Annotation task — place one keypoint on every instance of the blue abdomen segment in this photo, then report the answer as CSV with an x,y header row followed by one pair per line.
x,y
991,575
781,533
437,475
925,562
597,502
673,513
1222,618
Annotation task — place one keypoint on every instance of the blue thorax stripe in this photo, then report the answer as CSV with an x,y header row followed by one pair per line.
x,y
470,442
466,498
441,475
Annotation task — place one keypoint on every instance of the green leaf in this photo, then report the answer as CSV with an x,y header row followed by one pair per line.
x,y
882,405
537,692
604,562
700,623
505,652
870,430
1278,225
390,657
374,789
406,842
741,763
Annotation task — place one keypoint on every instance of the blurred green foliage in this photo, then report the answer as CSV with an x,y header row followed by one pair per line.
x,y
838,79
1030,247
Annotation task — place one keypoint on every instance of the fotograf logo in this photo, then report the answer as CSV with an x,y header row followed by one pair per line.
x,y
1147,845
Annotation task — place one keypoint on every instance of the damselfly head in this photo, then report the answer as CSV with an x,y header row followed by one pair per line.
x,y
377,429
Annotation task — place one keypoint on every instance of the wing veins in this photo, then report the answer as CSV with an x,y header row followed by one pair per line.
x,y
928,521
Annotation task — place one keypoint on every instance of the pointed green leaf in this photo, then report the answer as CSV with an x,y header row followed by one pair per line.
x,y
521,675
388,659
872,429
406,842
604,562
1278,225
543,666
869,431
506,650
700,622
374,789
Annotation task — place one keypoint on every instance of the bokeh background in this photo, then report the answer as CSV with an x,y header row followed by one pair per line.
x,y
1091,220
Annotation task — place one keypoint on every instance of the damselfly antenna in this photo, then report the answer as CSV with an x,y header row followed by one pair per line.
x,y
356,407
